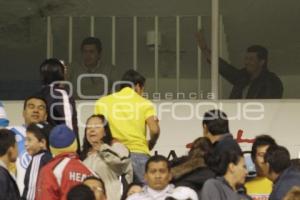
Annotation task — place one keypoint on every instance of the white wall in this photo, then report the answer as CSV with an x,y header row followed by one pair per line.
x,y
181,121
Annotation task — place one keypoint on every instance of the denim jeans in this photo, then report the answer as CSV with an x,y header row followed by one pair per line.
x,y
138,163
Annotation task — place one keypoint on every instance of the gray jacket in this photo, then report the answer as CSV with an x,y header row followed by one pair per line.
x,y
219,189
109,163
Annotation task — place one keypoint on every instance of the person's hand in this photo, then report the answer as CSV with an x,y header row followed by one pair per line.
x,y
201,40
151,144
114,140
202,45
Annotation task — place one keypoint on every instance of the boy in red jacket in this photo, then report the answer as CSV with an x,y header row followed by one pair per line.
x,y
65,170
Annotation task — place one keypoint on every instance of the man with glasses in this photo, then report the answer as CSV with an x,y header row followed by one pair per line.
x,y
260,187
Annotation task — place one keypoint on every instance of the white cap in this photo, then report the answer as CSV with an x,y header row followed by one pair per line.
x,y
184,193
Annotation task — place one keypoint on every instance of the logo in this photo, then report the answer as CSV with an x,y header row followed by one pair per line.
x,y
25,159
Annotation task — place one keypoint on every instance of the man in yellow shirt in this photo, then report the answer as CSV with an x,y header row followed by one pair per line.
x,y
260,187
128,113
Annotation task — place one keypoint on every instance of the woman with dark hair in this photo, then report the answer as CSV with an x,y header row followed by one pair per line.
x,y
92,142
231,172
108,158
61,106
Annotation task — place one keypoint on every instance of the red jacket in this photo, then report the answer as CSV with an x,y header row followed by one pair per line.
x,y
59,176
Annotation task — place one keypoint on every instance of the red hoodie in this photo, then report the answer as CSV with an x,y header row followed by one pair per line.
x,y
59,176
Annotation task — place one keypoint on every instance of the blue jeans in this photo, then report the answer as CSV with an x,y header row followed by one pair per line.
x,y
138,163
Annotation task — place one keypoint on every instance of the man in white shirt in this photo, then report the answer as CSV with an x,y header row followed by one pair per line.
x,y
158,177
34,111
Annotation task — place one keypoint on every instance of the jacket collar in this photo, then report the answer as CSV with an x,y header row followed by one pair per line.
x,y
67,154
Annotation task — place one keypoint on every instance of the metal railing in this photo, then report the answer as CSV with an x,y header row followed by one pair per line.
x,y
218,42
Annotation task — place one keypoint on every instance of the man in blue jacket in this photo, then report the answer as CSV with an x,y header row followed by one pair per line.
x,y
280,171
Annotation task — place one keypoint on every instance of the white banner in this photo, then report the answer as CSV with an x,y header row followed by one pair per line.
x,y
181,121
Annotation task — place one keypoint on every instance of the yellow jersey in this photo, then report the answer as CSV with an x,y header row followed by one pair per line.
x,y
127,112
259,188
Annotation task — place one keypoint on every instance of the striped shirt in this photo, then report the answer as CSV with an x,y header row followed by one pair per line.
x,y
32,172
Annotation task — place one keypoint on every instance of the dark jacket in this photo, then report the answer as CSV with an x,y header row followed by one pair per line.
x,y
57,107
191,173
226,143
32,172
8,186
289,178
266,86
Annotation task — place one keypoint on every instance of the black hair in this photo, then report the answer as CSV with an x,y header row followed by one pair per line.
x,y
278,158
132,78
219,162
92,41
7,140
97,179
216,122
261,52
34,97
52,70
261,140
81,192
156,159
124,195
107,139
41,131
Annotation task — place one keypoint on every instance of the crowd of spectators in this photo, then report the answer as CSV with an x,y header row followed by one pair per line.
x,y
114,161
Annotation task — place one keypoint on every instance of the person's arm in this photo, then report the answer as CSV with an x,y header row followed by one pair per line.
x,y
203,45
229,72
117,157
153,125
